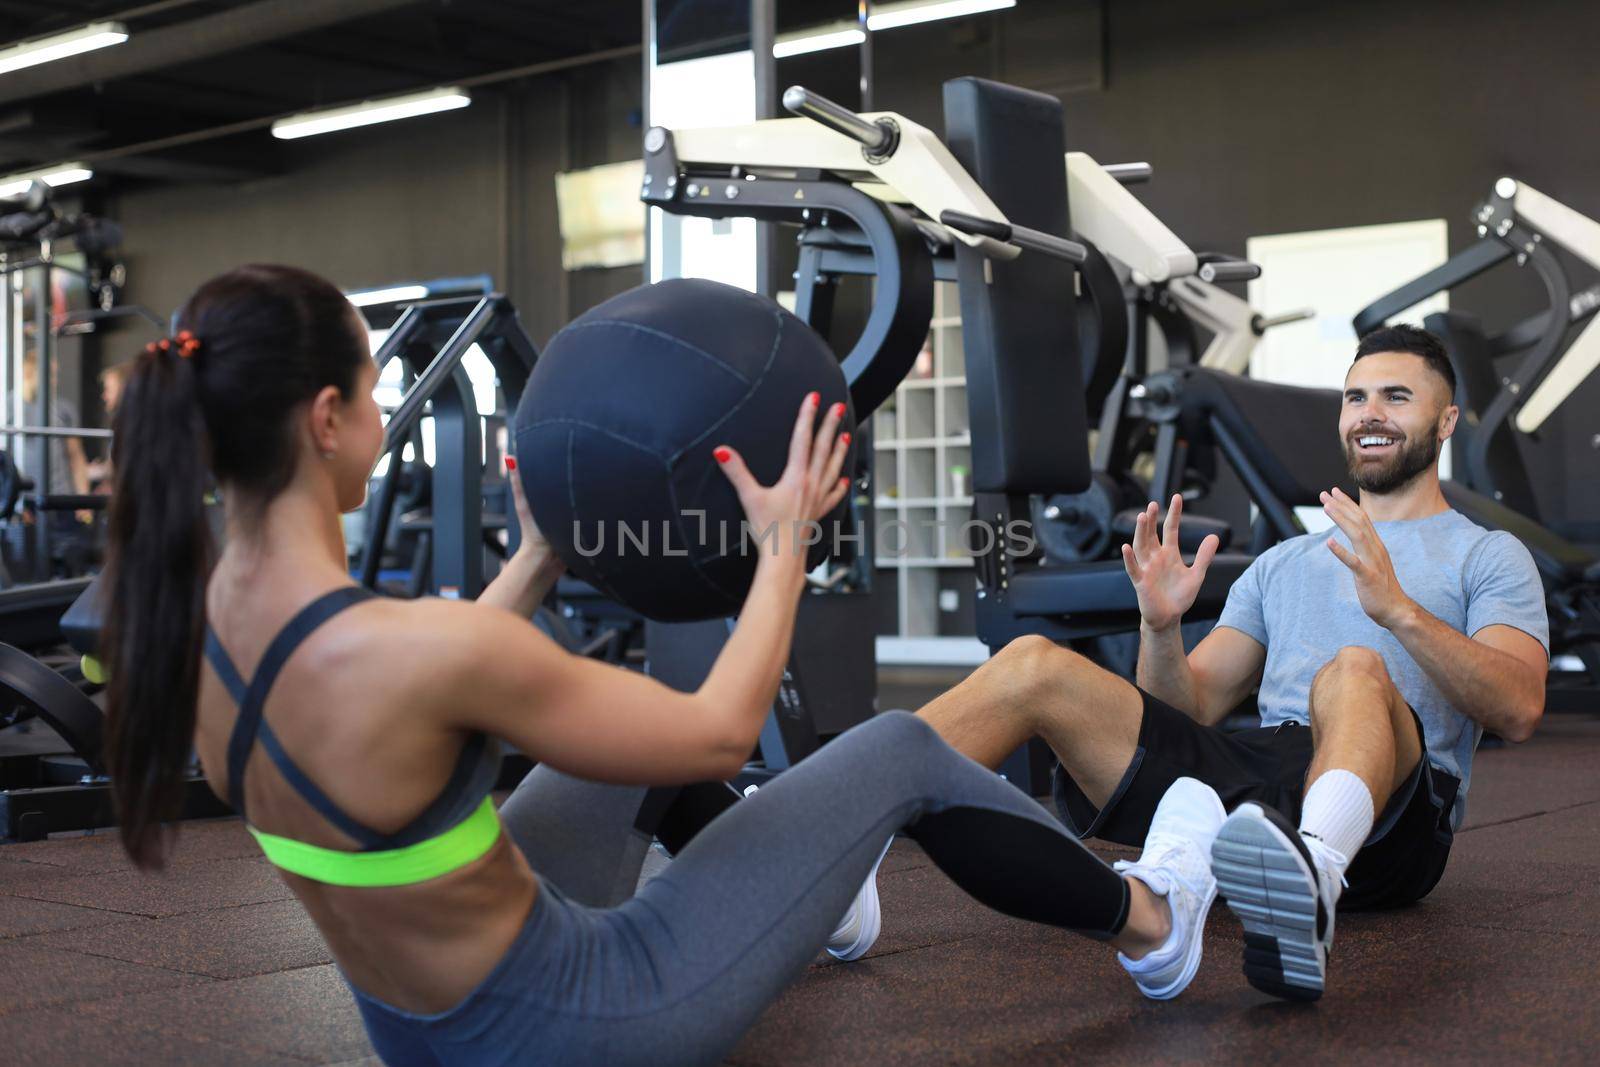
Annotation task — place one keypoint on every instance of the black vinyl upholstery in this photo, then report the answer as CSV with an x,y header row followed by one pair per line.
x,y
1025,380
1290,433
1477,384
1100,588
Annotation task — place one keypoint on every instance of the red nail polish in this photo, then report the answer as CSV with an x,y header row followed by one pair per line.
x,y
845,438
511,463
814,399
838,411
722,454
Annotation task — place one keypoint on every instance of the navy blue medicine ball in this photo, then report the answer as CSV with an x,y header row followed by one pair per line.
x,y
615,432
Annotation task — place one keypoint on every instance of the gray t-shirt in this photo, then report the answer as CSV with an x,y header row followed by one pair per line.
x,y
62,413
1300,602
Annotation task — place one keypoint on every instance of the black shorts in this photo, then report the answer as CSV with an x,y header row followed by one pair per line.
x,y
1400,863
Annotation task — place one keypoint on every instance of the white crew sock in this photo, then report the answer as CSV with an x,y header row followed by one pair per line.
x,y
1338,809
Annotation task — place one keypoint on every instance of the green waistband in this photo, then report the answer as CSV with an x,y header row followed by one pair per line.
x,y
450,851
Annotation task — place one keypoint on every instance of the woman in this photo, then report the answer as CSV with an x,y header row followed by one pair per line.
x,y
364,770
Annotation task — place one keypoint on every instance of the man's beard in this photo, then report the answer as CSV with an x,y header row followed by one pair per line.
x,y
1408,461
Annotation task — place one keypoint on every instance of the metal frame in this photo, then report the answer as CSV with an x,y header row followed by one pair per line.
x,y
43,226
443,389
920,171
1103,211
903,303
1519,222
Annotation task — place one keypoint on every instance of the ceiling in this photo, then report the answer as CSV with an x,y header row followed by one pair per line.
x,y
191,93
193,66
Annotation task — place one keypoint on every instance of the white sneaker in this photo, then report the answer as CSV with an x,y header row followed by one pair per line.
x,y
858,931
1283,886
1176,864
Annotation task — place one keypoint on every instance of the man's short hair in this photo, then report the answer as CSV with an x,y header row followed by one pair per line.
x,y
1416,341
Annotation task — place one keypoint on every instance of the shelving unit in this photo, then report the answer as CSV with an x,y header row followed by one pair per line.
x,y
923,464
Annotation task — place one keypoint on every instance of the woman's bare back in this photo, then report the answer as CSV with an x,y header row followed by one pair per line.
x,y
352,708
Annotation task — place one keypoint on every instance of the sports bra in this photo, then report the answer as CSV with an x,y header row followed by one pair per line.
x,y
458,827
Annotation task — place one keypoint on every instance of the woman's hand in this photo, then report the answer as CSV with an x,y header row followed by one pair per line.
x,y
532,570
533,540
809,488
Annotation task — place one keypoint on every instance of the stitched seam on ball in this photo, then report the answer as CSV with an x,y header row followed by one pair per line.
x,y
606,431
772,356
694,561
602,579
696,349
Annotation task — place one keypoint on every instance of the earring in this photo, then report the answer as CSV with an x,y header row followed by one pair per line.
x,y
327,455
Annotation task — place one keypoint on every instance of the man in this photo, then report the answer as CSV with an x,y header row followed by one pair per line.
x,y
69,468
72,540
1381,653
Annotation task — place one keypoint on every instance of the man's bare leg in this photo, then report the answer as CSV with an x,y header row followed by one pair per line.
x,y
1365,746
1091,719
1035,688
1360,723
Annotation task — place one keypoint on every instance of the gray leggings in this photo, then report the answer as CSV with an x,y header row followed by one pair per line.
x,y
680,970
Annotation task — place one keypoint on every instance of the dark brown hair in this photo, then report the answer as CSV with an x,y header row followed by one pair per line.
x,y
1415,340
270,338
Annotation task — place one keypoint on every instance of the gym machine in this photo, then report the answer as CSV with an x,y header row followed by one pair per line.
x,y
432,339
1516,224
450,537
30,229
872,195
1490,484
52,771
1172,291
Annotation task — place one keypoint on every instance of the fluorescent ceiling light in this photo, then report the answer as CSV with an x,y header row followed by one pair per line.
x,y
369,112
61,45
395,295
835,36
60,174
889,16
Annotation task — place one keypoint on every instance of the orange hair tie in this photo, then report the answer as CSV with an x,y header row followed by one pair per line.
x,y
187,345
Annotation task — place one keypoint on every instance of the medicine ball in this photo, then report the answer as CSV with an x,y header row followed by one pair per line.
x,y
615,432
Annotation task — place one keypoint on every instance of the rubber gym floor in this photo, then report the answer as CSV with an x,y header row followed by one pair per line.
x,y
215,963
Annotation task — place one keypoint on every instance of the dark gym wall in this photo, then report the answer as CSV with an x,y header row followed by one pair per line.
x,y
1260,117
467,192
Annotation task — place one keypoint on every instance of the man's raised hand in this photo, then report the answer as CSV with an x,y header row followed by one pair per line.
x,y
1166,586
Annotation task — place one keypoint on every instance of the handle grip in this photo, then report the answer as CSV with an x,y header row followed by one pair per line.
x,y
1130,173
1022,236
877,138
1229,270
1266,322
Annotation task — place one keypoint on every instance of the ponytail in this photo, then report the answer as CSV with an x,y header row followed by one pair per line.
x,y
159,557
216,403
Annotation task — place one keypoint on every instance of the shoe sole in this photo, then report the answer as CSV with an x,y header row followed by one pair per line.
x,y
871,916
1269,886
